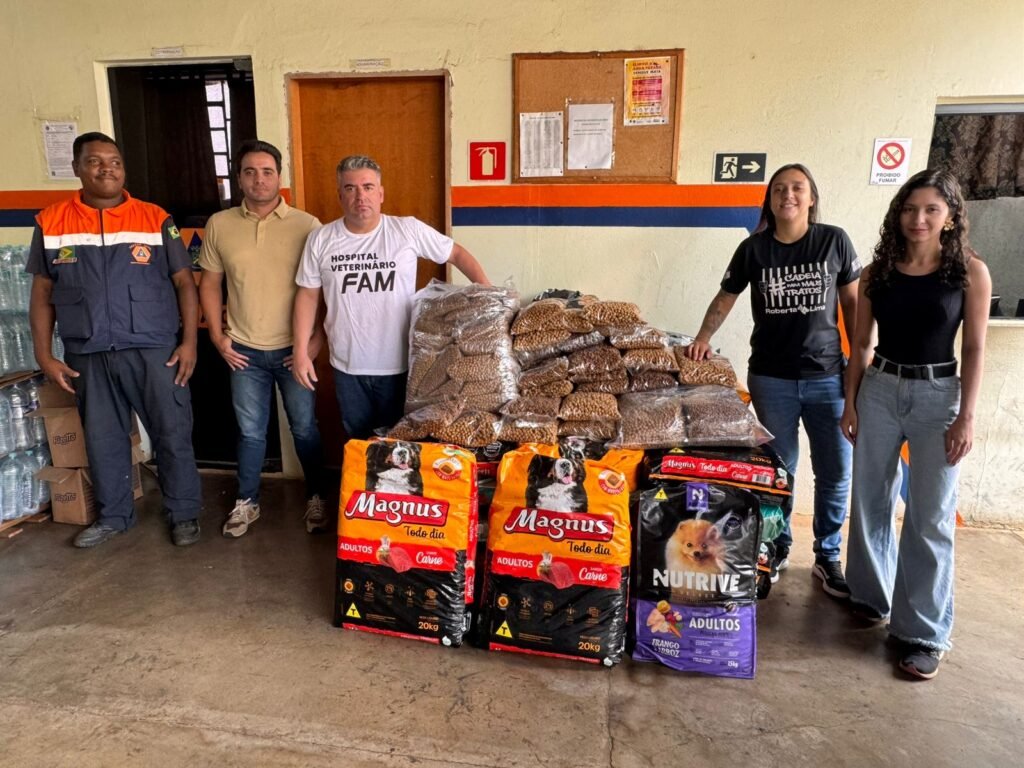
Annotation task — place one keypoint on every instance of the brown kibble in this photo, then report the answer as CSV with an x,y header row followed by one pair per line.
x,y
593,362
577,322
587,406
645,381
651,421
715,370
650,360
545,373
533,406
614,385
552,389
513,430
423,422
637,337
476,368
546,314
472,429
613,313
590,430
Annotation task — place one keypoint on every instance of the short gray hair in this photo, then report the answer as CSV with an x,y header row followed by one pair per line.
x,y
358,163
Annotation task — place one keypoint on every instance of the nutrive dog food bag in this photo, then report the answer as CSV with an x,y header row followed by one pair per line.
x,y
759,470
697,543
407,526
558,550
712,639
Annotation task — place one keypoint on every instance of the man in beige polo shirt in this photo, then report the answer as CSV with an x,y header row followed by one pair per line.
x,y
256,248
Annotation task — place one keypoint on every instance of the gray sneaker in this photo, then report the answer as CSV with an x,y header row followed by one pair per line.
x,y
242,516
95,534
316,515
185,533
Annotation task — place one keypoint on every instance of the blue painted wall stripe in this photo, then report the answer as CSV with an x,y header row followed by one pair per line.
x,y
15,217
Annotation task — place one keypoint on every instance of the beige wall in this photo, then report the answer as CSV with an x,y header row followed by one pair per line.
x,y
807,81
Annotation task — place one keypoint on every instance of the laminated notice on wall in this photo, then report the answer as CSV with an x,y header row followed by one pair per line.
x,y
540,144
58,139
647,91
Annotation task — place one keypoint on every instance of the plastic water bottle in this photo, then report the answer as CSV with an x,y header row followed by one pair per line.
x,y
19,352
5,350
19,401
6,427
28,491
9,487
31,390
26,339
42,459
58,344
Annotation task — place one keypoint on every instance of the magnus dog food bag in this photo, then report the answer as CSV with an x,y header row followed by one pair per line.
x,y
759,470
407,527
558,551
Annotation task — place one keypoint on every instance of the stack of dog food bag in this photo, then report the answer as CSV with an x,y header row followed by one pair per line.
x,y
407,527
558,553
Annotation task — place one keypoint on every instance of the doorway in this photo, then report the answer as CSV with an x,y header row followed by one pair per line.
x,y
177,125
401,122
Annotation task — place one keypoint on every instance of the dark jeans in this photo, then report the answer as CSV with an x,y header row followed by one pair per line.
x,y
252,394
368,403
109,386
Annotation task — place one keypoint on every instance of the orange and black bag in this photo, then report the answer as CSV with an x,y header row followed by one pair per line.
x,y
558,549
407,528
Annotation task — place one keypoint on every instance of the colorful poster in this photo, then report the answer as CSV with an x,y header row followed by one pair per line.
x,y
648,92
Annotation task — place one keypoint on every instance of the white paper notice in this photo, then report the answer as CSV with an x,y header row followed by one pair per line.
x,y
540,143
590,136
57,140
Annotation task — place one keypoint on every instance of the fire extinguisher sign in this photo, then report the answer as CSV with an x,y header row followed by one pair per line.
x,y
487,161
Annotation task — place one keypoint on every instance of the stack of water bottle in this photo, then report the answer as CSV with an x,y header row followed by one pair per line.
x,y
23,451
16,352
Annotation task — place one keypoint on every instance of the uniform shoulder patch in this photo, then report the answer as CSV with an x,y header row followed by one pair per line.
x,y
173,232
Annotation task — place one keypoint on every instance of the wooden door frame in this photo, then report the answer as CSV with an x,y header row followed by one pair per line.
x,y
293,81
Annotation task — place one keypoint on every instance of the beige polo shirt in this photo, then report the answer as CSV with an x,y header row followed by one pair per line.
x,y
259,259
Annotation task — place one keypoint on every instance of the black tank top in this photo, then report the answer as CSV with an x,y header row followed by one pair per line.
x,y
918,317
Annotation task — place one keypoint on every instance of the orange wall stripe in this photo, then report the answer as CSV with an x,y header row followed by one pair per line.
x,y
609,195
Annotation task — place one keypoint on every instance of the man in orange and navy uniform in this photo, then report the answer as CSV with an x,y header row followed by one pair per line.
x,y
114,273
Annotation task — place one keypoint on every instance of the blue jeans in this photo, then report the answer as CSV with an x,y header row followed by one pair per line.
x,y
912,582
252,394
368,403
781,404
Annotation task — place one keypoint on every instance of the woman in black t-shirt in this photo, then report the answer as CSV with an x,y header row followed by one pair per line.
x,y
800,272
923,281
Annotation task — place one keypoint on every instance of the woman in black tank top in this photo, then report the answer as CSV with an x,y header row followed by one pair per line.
x,y
923,283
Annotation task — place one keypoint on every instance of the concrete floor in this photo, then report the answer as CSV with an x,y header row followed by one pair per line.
x,y
140,654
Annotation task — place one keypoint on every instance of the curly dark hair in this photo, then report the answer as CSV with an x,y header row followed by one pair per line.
x,y
892,245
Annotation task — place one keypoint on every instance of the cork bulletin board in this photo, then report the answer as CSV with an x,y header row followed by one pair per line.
x,y
552,82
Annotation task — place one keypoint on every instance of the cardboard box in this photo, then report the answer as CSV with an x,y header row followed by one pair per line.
x,y
66,437
71,497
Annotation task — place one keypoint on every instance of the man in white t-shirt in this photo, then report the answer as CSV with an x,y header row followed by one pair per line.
x,y
365,265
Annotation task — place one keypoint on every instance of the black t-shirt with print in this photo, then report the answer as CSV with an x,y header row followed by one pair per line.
x,y
793,299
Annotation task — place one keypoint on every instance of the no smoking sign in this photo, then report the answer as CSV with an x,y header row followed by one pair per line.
x,y
890,161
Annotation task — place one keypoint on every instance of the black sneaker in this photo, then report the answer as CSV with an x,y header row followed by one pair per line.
x,y
184,533
920,661
831,574
780,562
95,534
866,613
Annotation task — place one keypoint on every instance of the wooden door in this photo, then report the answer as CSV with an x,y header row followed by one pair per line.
x,y
402,123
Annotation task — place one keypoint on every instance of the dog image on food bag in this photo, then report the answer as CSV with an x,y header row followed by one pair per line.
x,y
556,484
695,546
394,467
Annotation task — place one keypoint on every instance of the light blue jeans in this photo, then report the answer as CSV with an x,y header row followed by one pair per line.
x,y
781,404
912,581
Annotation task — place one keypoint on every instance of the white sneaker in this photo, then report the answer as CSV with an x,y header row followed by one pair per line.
x,y
316,515
242,516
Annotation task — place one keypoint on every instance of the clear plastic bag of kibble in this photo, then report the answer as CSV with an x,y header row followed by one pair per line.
x,y
717,416
651,420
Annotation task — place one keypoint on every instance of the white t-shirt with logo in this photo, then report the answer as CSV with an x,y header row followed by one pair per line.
x,y
368,282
